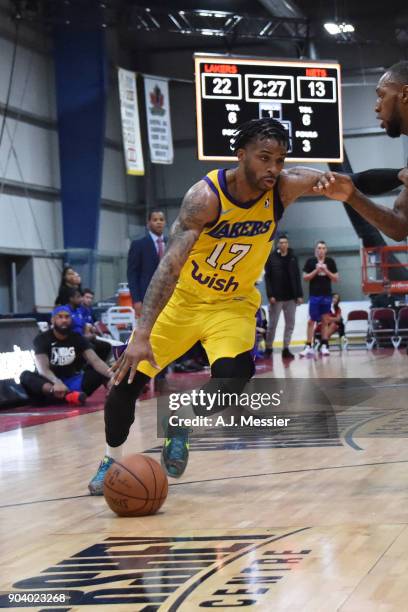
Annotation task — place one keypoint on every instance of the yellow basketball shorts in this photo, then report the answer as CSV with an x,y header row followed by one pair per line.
x,y
225,329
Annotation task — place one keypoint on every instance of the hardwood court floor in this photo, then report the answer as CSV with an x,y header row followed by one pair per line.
x,y
309,527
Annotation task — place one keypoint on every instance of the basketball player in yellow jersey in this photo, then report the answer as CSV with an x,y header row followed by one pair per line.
x,y
204,287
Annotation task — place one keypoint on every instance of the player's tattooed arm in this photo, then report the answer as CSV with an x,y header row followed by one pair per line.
x,y
296,182
200,207
392,221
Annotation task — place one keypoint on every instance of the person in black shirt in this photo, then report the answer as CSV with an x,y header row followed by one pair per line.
x,y
70,279
384,300
320,271
59,355
284,291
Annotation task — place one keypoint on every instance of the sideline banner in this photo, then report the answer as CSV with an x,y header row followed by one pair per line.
x,y
158,120
129,112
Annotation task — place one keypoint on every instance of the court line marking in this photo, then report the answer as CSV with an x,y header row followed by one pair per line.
x,y
349,433
283,472
192,482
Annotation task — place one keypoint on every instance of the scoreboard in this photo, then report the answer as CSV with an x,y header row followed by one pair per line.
x,y
305,96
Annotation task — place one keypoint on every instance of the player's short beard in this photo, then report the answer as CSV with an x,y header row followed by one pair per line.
x,y
393,128
64,331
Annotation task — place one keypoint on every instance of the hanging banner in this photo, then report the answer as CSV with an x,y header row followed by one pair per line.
x,y
158,120
129,112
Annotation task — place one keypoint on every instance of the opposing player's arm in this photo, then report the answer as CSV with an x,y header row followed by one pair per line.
x,y
296,182
392,221
200,208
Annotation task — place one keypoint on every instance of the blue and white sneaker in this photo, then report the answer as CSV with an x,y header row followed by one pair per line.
x,y
175,450
96,485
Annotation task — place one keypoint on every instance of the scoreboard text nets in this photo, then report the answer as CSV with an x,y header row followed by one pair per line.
x,y
303,95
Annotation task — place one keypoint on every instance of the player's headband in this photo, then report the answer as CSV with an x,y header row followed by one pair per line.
x,y
59,309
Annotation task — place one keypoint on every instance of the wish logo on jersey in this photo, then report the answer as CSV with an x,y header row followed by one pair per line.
x,y
226,229
212,281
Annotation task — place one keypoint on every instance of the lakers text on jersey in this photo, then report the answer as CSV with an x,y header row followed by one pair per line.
x,y
228,258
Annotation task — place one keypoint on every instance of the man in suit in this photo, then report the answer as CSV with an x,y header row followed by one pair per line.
x,y
144,257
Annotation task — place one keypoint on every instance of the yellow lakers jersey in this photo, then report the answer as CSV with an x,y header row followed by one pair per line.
x,y
229,257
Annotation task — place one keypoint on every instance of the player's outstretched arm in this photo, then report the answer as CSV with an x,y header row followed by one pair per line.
x,y
392,221
296,182
199,208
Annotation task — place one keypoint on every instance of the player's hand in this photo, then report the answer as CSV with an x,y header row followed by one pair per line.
x,y
138,349
335,186
109,383
272,300
59,390
403,176
90,331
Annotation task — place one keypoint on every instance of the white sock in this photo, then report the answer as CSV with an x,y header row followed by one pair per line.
x,y
114,452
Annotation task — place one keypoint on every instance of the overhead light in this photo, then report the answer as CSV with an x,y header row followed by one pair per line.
x,y
338,28
211,13
332,28
208,32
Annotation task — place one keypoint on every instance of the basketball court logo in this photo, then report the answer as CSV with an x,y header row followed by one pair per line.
x,y
145,573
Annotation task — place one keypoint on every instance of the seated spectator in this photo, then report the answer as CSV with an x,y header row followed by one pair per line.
x,y
59,353
74,305
260,334
336,323
80,324
86,307
383,300
70,279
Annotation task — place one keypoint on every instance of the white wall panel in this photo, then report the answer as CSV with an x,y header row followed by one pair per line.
x,y
114,232
33,80
25,226
114,186
358,105
375,151
47,275
37,153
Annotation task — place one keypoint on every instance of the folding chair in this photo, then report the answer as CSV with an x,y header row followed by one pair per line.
x,y
356,330
121,321
402,324
383,326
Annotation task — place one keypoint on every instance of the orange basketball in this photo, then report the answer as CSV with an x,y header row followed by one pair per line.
x,y
135,486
